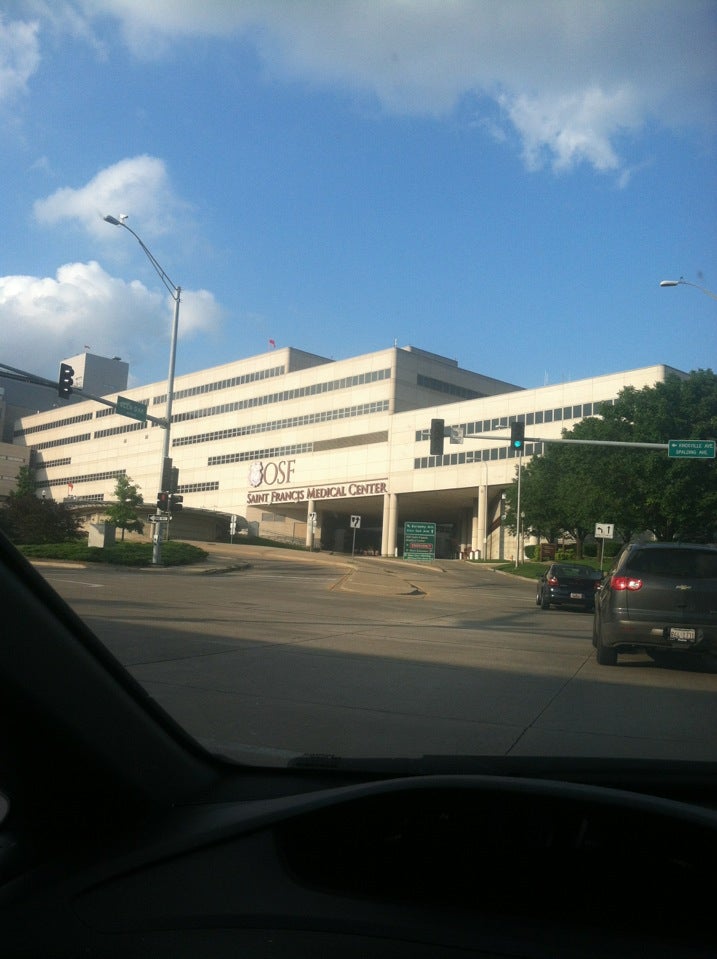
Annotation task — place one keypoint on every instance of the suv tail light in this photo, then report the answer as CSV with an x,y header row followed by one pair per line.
x,y
553,581
631,583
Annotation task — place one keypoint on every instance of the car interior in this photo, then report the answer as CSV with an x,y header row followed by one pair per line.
x,y
122,836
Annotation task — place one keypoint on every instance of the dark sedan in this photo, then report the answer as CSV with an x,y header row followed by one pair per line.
x,y
568,584
659,597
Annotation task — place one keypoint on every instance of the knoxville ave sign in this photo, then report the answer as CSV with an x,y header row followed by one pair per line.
x,y
304,494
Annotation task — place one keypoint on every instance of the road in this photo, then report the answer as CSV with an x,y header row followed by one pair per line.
x,y
302,653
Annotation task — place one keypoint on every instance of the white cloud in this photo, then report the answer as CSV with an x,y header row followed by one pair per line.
x,y
19,55
571,77
138,184
572,128
47,318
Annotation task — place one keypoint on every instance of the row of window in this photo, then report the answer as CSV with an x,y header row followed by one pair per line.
x,y
271,453
40,463
208,487
474,456
226,384
289,422
125,428
65,441
87,478
555,415
452,389
347,382
67,421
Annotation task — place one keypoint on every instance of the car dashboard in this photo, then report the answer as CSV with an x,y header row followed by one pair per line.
x,y
422,866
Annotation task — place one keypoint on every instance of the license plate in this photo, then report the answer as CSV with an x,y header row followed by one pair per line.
x,y
577,596
682,635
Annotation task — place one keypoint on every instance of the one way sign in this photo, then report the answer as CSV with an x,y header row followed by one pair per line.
x,y
355,522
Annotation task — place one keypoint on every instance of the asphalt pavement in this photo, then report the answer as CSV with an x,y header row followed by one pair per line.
x,y
368,575
362,574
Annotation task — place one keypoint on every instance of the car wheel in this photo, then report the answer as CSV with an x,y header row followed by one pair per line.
x,y
544,602
606,655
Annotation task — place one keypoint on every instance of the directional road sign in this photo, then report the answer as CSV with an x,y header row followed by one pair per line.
x,y
691,449
131,408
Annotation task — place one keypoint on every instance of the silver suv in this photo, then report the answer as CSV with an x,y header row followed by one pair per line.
x,y
657,597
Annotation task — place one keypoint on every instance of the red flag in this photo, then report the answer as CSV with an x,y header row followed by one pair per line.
x,y
272,343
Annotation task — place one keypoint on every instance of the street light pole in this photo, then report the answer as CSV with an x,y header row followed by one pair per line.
x,y
518,556
176,294
683,282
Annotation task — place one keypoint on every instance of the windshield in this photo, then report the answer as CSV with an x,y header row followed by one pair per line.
x,y
308,371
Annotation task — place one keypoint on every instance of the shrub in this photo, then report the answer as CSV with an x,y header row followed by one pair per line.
x,y
120,554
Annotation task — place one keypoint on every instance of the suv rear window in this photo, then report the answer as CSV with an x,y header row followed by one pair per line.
x,y
690,563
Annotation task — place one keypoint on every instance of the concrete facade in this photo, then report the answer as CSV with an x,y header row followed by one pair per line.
x,y
286,436
12,459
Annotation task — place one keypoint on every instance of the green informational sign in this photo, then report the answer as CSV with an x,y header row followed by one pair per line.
x,y
692,449
131,408
419,541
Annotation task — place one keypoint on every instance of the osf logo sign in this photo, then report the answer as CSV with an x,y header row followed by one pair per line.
x,y
273,473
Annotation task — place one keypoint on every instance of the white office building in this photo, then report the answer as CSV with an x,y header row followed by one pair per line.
x,y
294,445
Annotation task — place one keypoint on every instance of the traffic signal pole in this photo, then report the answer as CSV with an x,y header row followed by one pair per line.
x,y
518,439
176,295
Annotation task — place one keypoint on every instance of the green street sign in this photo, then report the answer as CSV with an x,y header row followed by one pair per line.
x,y
691,449
131,408
419,541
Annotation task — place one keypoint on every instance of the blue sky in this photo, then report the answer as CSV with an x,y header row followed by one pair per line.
x,y
504,183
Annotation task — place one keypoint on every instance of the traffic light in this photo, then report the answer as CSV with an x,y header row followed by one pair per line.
x,y
175,503
167,474
437,434
64,383
163,502
517,435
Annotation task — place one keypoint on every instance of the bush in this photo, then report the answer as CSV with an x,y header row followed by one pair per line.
x,y
121,554
562,554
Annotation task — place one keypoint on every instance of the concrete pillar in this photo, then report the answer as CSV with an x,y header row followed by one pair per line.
x,y
310,508
480,506
389,536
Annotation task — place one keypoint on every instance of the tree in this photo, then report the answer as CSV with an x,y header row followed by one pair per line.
x,y
571,488
28,519
26,485
123,513
673,498
552,497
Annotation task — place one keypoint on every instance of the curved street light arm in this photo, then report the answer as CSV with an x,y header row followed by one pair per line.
x,y
683,282
172,287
